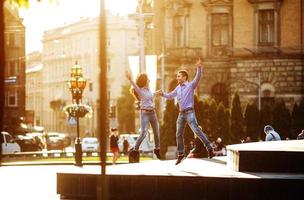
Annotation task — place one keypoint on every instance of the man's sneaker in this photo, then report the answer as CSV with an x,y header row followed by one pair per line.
x,y
180,158
210,153
157,153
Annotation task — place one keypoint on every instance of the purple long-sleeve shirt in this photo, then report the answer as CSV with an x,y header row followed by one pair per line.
x,y
185,92
146,96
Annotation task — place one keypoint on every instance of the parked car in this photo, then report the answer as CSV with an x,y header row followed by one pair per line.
x,y
8,144
29,142
90,144
57,141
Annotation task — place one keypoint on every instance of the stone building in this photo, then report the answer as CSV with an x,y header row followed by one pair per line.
x,y
254,47
14,69
34,89
79,41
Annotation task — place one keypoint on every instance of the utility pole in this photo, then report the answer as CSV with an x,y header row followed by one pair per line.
x,y
141,30
140,18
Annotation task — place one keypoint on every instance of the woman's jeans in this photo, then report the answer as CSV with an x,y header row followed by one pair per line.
x,y
190,118
146,118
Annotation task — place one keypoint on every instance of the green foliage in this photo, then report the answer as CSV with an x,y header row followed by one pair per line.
x,y
20,3
227,137
298,118
266,117
203,119
220,121
295,120
26,3
252,116
126,111
212,119
282,119
236,119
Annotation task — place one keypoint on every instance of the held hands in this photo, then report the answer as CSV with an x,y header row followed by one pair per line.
x,y
159,93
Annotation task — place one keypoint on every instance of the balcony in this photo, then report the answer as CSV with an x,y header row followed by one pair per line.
x,y
183,55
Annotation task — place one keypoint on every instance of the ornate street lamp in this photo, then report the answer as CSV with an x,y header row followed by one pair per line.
x,y
76,85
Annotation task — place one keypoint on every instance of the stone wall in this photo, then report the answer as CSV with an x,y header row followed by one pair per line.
x,y
283,78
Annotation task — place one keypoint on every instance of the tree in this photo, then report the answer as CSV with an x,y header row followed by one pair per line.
x,y
26,3
203,119
300,116
296,121
252,121
266,118
126,111
282,119
236,119
212,119
220,121
227,137
168,129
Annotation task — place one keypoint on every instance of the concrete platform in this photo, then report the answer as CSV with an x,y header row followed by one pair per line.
x,y
276,156
192,179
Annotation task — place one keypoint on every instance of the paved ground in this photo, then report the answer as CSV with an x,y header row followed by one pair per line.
x,y
29,182
39,182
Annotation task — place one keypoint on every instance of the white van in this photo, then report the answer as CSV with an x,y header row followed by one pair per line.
x,y
8,145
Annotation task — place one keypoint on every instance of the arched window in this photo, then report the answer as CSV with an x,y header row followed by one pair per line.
x,y
219,93
267,91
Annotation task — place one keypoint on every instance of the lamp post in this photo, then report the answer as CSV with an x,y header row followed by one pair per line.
x,y
76,85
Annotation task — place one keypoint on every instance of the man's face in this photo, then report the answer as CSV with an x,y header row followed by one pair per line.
x,y
180,78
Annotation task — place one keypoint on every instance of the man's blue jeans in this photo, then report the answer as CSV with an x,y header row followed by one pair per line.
x,y
146,118
190,118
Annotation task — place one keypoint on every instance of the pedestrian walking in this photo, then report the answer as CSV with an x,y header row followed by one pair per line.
x,y
114,144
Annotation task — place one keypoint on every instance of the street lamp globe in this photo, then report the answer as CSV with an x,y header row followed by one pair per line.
x,y
81,83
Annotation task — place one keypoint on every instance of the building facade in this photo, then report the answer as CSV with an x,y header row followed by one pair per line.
x,y
14,69
34,90
79,41
254,47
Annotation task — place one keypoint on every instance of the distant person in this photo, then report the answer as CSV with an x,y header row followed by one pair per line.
x,y
125,145
219,149
271,134
246,140
114,144
197,148
301,135
141,92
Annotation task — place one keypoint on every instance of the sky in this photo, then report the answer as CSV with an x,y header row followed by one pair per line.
x,y
41,16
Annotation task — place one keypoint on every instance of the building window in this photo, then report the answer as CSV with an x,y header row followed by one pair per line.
x,y
13,68
12,99
219,33
180,31
266,28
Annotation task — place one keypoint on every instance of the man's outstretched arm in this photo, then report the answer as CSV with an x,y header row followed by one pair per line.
x,y
198,74
169,95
